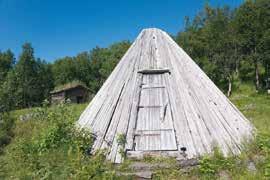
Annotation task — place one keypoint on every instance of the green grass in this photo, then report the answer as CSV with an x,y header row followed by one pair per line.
x,y
255,106
44,149
76,109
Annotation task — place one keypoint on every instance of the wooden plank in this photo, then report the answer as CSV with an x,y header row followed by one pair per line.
x,y
202,127
154,71
224,135
123,123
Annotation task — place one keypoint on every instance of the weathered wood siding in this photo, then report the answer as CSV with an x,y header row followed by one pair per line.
x,y
58,97
162,101
71,94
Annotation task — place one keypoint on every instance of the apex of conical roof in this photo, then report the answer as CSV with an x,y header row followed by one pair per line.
x,y
151,29
162,103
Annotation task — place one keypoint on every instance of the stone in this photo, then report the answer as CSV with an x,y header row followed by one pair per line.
x,y
25,117
188,162
258,158
144,174
251,166
224,175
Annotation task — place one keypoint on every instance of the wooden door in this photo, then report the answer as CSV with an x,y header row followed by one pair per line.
x,y
154,127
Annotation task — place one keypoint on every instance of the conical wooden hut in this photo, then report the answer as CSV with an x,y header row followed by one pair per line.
x,y
160,100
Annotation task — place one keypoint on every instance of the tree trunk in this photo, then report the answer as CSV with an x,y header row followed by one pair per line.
x,y
237,68
229,87
255,60
257,76
237,61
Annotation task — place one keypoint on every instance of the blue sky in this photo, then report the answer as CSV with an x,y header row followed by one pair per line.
x,y
58,28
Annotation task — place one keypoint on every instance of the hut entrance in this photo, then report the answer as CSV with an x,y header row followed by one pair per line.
x,y
154,128
79,99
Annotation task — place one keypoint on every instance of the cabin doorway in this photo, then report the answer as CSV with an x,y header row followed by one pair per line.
x,y
154,127
79,99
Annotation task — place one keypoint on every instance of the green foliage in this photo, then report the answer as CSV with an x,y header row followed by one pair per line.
x,y
28,83
210,40
121,140
6,99
6,126
211,165
254,106
226,41
263,147
64,70
263,142
103,61
264,50
92,68
7,61
53,149
207,167
61,131
97,169
172,173
32,79
25,76
246,70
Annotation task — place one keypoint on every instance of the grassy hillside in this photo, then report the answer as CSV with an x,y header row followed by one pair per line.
x,y
256,107
46,146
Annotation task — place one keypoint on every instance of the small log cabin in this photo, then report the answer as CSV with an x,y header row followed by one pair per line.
x,y
75,92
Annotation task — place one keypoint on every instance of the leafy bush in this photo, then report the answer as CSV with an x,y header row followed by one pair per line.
x,y
60,131
263,147
211,165
56,149
121,141
6,125
257,152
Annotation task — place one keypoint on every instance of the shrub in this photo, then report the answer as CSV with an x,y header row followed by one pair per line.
x,y
263,146
121,141
56,149
60,131
6,125
211,165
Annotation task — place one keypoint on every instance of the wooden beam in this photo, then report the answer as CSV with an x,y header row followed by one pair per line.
x,y
154,71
